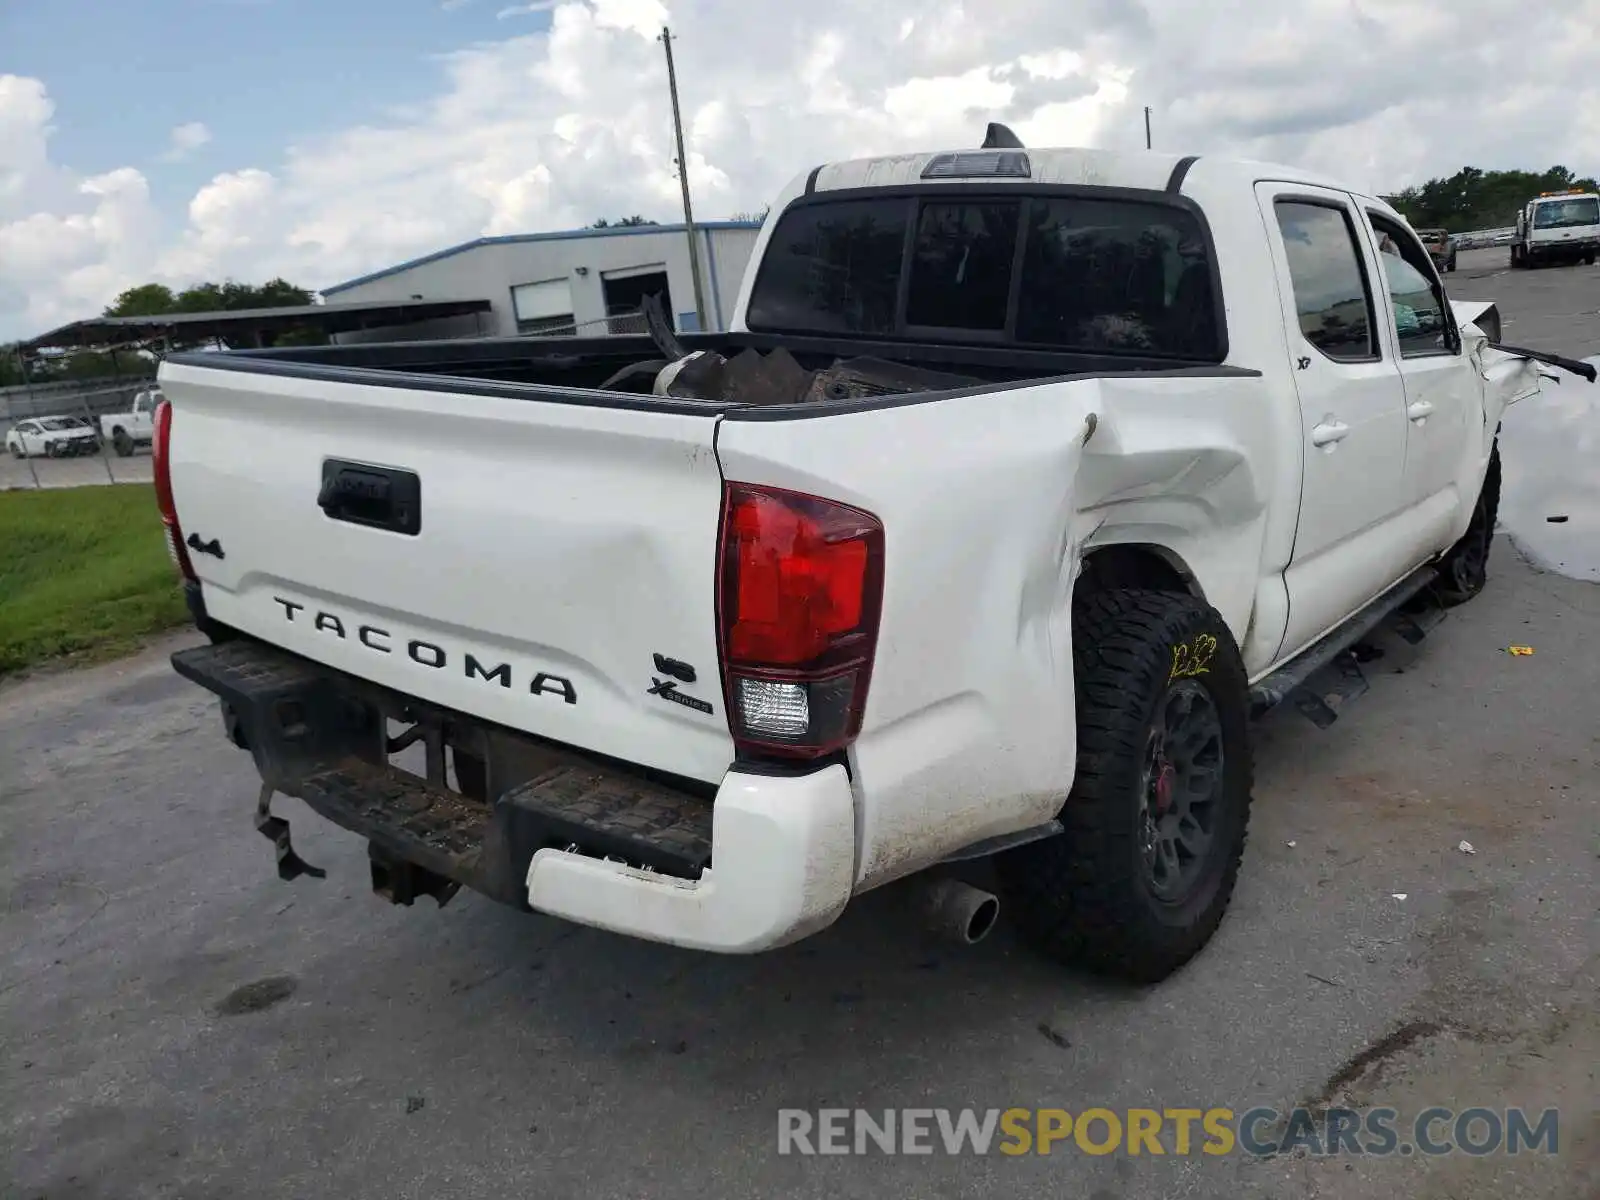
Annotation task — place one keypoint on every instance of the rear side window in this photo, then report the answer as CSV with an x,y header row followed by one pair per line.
x,y
832,268
1069,273
1111,276
1330,284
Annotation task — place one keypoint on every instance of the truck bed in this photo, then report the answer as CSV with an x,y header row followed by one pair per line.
x,y
575,370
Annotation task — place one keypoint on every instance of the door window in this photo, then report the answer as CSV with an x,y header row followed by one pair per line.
x,y
1330,283
1421,314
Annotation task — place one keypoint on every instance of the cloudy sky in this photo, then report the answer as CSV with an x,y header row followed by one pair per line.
x,y
320,139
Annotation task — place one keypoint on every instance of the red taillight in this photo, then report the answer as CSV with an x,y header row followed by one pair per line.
x,y
800,585
161,468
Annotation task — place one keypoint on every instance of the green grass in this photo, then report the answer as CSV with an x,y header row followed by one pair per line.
x,y
84,573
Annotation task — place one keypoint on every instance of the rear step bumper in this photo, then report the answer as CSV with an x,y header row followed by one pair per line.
x,y
768,861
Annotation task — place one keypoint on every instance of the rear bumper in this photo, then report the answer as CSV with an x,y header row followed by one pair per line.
x,y
765,861
783,853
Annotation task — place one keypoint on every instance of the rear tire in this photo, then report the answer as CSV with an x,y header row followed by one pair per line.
x,y
16,452
1464,569
1113,892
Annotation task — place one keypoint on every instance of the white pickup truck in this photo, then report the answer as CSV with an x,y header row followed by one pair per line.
x,y
127,431
1022,482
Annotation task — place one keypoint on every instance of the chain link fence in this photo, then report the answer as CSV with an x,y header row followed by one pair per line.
x,y
69,433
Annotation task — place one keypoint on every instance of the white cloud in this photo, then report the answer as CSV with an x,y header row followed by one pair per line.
x,y
524,10
185,140
555,129
25,113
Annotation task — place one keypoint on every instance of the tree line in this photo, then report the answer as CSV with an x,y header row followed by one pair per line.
x,y
1476,199
157,299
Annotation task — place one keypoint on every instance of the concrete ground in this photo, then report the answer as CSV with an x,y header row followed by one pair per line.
x,y
74,472
178,1023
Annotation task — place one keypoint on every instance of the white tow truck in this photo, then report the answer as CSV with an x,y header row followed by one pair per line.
x,y
1557,227
1023,481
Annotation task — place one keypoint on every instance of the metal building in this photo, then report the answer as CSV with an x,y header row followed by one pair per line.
x,y
585,281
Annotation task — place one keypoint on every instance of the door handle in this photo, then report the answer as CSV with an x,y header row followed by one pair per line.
x,y
1420,411
1328,432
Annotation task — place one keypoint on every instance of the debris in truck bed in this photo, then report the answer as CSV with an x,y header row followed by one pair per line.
x,y
659,327
650,367
859,378
696,376
758,378
751,377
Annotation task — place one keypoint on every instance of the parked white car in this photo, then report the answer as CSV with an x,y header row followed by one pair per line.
x,y
129,430
1023,481
53,437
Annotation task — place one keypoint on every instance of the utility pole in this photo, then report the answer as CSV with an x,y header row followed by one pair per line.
x,y
1147,127
683,178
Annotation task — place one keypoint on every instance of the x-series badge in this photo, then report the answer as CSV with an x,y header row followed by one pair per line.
x,y
667,689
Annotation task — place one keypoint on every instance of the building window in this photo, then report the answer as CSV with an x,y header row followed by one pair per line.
x,y
543,308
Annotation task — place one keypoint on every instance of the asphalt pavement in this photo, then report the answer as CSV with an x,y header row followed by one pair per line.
x,y
178,1023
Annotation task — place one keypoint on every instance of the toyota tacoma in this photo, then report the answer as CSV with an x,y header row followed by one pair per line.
x,y
1023,481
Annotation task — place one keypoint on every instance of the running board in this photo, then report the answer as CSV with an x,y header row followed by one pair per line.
x,y
1324,677
1005,841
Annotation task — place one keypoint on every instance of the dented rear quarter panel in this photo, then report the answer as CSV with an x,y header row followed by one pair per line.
x,y
1189,467
968,730
989,502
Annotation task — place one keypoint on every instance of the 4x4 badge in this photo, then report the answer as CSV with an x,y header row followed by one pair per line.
x,y
668,690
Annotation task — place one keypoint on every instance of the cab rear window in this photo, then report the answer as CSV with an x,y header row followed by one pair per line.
x,y
1060,272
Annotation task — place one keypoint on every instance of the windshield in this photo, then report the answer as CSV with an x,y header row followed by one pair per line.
x,y
1103,276
55,423
1558,214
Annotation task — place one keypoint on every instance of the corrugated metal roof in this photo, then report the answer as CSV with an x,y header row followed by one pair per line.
x,y
513,239
330,317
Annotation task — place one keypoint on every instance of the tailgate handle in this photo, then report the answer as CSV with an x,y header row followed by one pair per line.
x,y
377,497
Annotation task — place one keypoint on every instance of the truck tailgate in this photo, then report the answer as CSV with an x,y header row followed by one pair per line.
x,y
558,549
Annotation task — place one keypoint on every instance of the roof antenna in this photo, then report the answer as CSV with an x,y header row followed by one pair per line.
x,y
999,137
